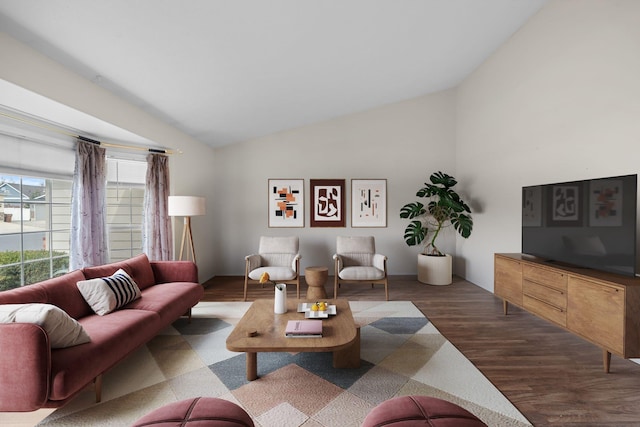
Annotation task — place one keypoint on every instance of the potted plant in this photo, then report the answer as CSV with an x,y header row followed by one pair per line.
x,y
444,207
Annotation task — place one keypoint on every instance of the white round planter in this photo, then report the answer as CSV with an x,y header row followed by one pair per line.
x,y
435,270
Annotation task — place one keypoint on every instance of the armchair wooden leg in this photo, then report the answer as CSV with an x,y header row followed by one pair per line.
x,y
245,287
335,287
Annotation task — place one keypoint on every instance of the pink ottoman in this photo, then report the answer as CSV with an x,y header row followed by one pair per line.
x,y
413,411
197,412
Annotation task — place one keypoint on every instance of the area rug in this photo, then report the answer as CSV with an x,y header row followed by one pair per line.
x,y
402,354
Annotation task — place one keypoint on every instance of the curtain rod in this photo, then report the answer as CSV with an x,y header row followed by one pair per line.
x,y
86,139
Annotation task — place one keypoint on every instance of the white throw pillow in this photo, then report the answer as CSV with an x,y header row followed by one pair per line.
x,y
62,329
106,294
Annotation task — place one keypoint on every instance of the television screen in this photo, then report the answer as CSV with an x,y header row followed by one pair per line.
x,y
589,223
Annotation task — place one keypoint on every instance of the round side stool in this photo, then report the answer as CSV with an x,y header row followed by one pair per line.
x,y
200,412
316,277
412,411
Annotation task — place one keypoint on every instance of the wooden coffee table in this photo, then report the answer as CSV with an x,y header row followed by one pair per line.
x,y
339,334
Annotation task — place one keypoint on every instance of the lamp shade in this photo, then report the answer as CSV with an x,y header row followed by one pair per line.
x,y
186,206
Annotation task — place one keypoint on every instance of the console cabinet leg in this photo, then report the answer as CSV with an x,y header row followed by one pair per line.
x,y
505,306
606,360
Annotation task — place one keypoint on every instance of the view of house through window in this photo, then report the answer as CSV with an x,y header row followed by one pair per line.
x,y
34,229
35,222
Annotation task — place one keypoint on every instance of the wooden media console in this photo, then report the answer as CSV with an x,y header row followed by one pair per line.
x,y
603,308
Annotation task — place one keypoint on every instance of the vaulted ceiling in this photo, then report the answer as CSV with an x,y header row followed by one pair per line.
x,y
225,71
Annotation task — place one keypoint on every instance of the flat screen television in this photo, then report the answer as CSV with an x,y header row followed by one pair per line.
x,y
589,223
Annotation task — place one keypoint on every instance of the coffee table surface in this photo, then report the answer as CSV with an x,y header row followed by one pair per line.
x,y
338,332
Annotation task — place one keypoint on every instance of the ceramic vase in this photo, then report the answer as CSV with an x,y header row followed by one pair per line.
x,y
280,299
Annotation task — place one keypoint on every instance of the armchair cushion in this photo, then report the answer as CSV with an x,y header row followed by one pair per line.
x,y
278,260
356,259
270,245
275,273
361,273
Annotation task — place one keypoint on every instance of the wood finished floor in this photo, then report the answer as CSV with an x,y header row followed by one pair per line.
x,y
553,377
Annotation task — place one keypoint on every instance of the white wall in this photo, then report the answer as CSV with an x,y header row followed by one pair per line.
x,y
560,101
191,172
403,142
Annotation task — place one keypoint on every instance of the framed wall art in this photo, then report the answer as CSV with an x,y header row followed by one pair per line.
x,y
368,202
286,202
327,202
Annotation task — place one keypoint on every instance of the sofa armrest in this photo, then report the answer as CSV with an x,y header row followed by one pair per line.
x,y
25,367
174,271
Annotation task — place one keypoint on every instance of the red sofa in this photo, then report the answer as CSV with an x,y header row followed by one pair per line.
x,y
32,375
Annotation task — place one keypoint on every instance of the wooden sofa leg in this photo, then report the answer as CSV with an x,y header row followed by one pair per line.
x,y
188,314
97,382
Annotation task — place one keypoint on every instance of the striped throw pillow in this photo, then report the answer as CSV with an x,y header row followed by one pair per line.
x,y
106,294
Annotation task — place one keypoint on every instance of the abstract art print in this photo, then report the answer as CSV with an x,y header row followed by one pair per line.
x,y
605,203
368,202
327,202
286,203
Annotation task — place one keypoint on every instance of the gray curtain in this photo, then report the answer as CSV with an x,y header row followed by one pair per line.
x,y
157,238
89,244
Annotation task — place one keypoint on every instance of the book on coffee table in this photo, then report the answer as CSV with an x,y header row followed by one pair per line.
x,y
303,328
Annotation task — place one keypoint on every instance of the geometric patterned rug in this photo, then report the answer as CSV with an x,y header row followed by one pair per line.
x,y
402,353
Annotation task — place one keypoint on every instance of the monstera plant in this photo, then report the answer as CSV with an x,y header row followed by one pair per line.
x,y
443,207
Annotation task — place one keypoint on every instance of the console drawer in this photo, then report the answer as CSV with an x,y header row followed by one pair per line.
x,y
551,278
550,312
548,294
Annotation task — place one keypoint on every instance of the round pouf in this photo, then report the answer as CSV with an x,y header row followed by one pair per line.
x,y
412,411
200,412
316,277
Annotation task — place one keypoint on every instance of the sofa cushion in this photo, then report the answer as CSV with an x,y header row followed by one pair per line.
x,y
107,294
138,267
62,330
169,300
59,291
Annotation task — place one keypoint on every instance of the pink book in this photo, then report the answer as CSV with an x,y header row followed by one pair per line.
x,y
304,328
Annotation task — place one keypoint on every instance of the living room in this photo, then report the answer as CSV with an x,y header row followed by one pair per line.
x,y
556,102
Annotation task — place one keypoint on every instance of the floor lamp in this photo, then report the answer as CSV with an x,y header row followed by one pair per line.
x,y
186,206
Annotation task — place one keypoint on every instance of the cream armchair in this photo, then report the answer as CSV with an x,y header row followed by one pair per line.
x,y
279,257
356,261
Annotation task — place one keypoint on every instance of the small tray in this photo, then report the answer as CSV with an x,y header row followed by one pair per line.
x,y
316,314
305,307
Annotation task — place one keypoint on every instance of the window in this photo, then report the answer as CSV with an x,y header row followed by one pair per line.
x,y
35,222
34,229
125,205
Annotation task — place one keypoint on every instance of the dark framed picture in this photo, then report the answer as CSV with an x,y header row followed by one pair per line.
x,y
368,202
286,202
327,202
565,205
